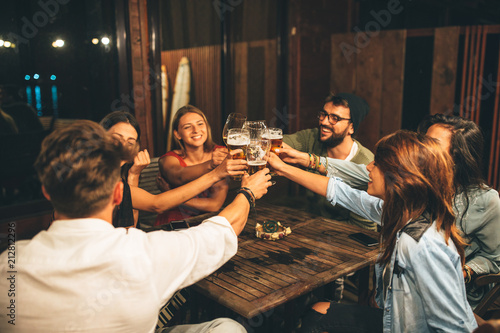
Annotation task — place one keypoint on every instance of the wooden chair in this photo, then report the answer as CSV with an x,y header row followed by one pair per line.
x,y
485,304
147,181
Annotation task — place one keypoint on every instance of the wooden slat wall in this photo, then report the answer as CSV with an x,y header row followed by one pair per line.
x,y
494,162
374,72
393,81
205,81
473,65
255,91
444,70
254,81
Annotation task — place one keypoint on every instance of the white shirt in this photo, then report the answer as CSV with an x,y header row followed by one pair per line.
x,y
353,152
84,275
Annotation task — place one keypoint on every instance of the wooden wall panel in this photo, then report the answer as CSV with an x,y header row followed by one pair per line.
x,y
205,81
373,70
205,85
240,70
252,75
343,63
394,44
369,86
270,81
444,69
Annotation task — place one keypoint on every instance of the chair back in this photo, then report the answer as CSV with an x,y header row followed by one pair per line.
x,y
147,181
491,296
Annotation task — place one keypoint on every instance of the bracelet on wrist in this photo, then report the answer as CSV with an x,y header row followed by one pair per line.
x,y
249,191
469,274
248,194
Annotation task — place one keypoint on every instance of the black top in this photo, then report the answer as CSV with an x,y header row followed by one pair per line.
x,y
123,216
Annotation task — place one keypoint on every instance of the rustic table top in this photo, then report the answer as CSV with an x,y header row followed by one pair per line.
x,y
264,274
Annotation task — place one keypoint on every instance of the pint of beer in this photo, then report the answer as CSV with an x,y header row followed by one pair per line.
x,y
276,137
254,166
238,138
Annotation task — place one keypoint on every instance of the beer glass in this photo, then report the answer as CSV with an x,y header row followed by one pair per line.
x,y
238,138
276,137
258,148
234,120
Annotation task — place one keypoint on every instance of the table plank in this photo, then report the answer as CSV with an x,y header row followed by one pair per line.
x,y
265,274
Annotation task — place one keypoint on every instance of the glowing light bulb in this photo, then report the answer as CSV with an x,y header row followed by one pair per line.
x,y
58,43
95,41
105,40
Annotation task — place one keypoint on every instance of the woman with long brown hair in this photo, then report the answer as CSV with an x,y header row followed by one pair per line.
x,y
420,286
194,155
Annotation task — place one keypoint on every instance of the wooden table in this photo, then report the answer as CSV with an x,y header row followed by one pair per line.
x,y
265,274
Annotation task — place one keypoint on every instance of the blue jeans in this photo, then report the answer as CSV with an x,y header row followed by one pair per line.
x,y
219,325
343,318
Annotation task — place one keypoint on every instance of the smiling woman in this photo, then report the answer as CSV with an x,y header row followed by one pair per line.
x,y
194,154
421,252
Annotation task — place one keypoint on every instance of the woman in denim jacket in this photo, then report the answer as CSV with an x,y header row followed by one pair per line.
x,y
476,206
420,286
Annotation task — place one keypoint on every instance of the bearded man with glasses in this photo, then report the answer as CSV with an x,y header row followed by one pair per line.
x,y
338,122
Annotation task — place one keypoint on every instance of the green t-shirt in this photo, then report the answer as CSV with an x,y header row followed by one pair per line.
x,y
307,141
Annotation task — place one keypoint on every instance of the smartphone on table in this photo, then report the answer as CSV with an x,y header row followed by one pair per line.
x,y
364,239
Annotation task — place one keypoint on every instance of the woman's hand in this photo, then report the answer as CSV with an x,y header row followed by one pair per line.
x,y
230,167
218,156
257,183
141,160
276,163
293,156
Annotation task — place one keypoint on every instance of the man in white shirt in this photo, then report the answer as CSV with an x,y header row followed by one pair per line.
x,y
84,275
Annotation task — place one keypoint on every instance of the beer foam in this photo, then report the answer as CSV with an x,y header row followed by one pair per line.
x,y
255,163
273,136
238,140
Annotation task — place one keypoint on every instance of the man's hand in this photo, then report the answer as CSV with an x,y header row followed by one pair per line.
x,y
258,182
293,156
230,167
218,156
141,160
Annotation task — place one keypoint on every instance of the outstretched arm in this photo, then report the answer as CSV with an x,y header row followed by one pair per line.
x,y
176,175
314,182
334,190
237,212
214,201
162,202
353,174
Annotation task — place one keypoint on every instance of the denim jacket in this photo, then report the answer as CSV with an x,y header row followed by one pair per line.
x,y
426,291
480,224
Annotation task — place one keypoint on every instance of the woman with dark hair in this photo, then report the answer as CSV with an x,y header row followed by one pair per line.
x,y
476,206
193,155
124,127
419,271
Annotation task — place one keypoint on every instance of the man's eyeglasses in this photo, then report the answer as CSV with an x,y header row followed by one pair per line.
x,y
332,118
